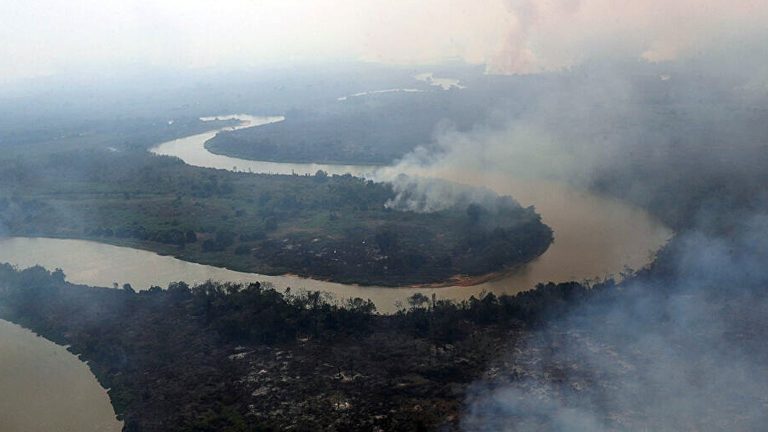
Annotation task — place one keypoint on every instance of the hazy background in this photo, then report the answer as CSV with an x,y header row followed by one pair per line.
x,y
48,37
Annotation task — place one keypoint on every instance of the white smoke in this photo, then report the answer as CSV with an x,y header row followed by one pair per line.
x,y
684,354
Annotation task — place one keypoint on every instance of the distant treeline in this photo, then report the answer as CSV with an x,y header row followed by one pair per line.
x,y
374,129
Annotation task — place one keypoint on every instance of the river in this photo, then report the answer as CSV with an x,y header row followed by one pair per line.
x,y
52,390
595,236
45,388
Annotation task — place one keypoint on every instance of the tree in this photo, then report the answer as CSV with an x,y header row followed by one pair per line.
x,y
418,300
386,240
58,275
474,211
321,175
190,236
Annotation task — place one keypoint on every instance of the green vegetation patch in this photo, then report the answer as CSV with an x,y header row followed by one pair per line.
x,y
330,227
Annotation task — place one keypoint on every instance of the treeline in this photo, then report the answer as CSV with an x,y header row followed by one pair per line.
x,y
256,313
138,232
238,313
445,321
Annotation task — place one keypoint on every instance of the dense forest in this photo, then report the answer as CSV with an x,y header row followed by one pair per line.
x,y
329,227
380,128
227,357
358,130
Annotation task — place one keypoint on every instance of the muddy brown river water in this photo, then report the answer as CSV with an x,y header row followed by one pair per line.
x,y
45,388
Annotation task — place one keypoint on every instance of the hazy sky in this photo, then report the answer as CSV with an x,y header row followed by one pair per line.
x,y
42,37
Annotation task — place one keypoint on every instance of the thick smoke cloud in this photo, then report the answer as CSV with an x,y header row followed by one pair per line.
x,y
685,354
552,35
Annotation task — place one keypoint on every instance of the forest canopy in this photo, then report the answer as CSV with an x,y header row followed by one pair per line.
x,y
330,227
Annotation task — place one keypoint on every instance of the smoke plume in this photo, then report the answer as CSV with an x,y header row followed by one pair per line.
x,y
686,353
426,195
